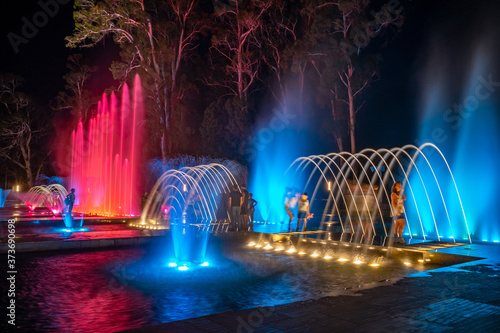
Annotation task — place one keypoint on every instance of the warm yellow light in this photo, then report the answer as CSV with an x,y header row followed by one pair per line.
x,y
407,263
343,259
427,260
251,244
420,260
290,250
268,247
17,188
314,255
279,249
327,257
302,253
329,186
374,265
357,262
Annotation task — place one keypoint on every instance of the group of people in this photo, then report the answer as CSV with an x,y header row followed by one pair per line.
x,y
302,204
241,209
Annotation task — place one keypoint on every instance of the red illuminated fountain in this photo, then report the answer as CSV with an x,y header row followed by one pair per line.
x,y
106,156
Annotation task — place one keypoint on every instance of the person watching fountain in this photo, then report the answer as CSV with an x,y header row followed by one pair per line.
x,y
244,208
235,201
397,200
69,201
303,211
290,203
251,209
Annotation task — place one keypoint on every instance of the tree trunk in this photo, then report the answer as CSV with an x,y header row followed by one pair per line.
x,y
352,115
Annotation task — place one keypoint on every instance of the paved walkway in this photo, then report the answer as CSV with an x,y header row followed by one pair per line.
x,y
457,299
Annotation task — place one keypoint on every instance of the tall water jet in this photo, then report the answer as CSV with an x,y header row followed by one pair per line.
x,y
106,156
3,196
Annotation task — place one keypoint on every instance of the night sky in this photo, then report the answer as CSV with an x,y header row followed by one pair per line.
x,y
392,111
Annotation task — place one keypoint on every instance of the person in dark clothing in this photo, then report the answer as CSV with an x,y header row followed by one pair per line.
x,y
235,200
251,209
244,208
69,201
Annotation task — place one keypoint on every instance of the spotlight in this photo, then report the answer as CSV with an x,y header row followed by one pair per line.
x,y
374,265
268,247
251,244
407,263
327,257
302,253
314,255
172,264
205,264
358,262
343,259
290,250
183,268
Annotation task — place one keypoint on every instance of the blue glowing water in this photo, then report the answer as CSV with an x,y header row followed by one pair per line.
x,y
467,130
3,196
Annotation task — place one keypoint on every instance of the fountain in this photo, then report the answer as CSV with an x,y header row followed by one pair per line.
x,y
191,202
3,196
106,156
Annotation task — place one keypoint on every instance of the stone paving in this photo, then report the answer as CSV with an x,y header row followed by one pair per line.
x,y
464,298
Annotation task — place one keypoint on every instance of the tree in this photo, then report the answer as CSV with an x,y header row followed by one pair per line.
x,y
155,38
77,98
356,26
22,127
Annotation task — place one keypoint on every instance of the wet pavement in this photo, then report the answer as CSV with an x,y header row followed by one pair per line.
x,y
459,298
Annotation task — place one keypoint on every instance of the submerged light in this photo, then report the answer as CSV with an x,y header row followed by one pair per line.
x,y
314,255
290,250
183,268
343,259
357,261
301,253
374,265
268,247
327,257
251,244
172,264
205,264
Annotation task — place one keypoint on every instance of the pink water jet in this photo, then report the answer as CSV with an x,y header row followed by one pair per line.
x,y
106,156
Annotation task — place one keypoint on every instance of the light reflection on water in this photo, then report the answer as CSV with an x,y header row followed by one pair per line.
x,y
120,289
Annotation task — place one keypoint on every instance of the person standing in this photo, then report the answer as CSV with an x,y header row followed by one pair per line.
x,y
70,201
251,209
144,200
398,209
290,203
235,200
244,208
303,211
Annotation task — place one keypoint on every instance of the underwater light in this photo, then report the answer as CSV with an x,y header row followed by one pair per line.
x,y
268,247
327,257
251,244
258,245
452,237
205,264
407,263
343,259
357,262
485,240
183,268
314,255
374,265
67,230
302,253
290,250
495,241
279,249
420,260
172,264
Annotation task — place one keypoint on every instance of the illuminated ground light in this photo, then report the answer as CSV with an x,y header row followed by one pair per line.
x,y
420,260
290,250
301,253
495,241
374,265
172,264
183,268
257,246
357,262
205,264
407,263
279,248
343,259
268,247
327,257
251,244
314,255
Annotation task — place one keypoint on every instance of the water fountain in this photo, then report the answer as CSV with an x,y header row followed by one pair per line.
x,y
3,197
350,192
191,202
50,196
106,156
